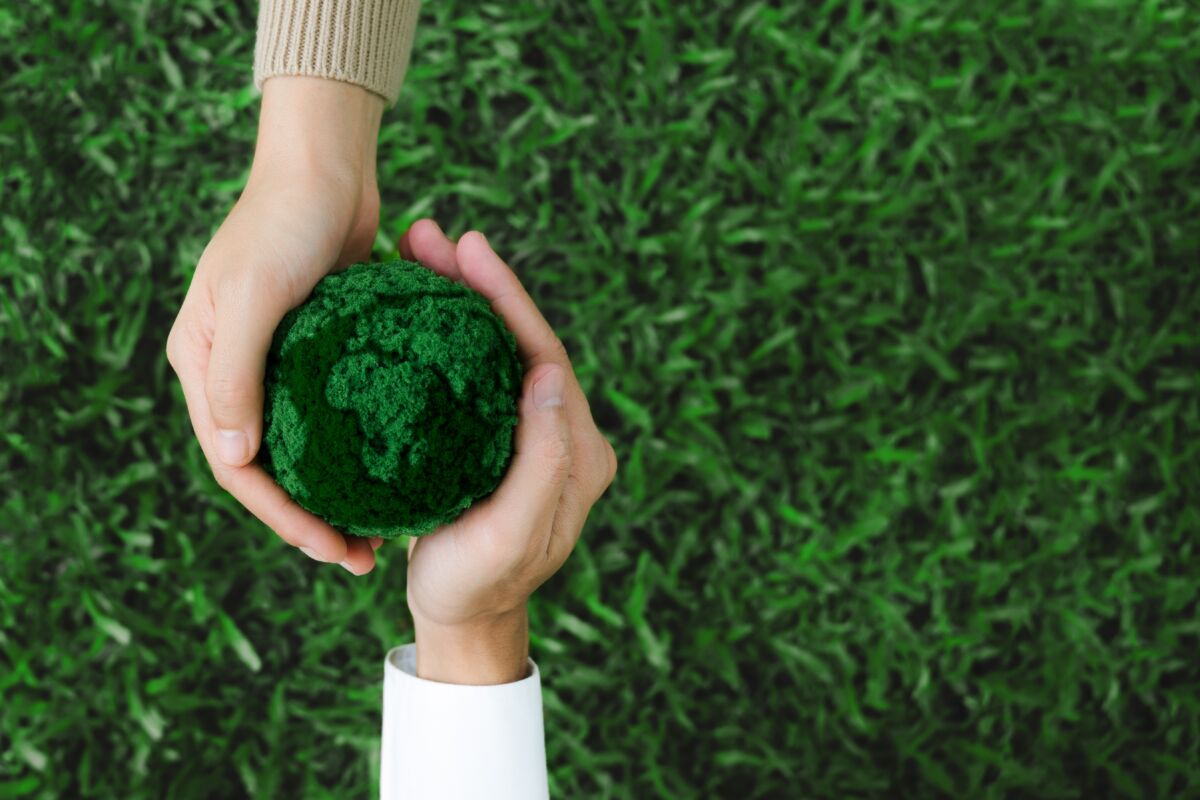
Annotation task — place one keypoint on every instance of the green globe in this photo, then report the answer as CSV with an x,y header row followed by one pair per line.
x,y
391,400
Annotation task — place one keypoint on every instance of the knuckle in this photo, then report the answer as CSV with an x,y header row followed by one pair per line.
x,y
555,446
172,348
557,466
602,465
552,350
600,482
224,477
554,459
226,392
182,334
574,506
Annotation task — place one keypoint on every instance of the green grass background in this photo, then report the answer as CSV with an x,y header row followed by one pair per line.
x,y
890,310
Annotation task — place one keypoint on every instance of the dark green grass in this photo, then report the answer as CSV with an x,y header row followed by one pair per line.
x,y
889,309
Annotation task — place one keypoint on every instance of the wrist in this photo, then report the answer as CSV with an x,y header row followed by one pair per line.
x,y
317,126
482,651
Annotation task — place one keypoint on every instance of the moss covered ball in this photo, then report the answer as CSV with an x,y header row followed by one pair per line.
x,y
391,400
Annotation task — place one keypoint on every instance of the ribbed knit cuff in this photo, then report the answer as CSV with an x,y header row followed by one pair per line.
x,y
364,42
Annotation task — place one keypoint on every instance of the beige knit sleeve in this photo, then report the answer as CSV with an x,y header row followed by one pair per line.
x,y
364,42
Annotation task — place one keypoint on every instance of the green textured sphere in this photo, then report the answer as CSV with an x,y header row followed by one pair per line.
x,y
391,400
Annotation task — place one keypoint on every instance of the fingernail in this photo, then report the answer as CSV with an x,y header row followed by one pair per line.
x,y
232,447
308,551
548,391
346,564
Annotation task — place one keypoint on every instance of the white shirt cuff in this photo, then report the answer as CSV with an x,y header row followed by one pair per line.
x,y
450,742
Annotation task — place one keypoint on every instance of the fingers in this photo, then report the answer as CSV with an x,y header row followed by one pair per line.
x,y
265,499
245,322
360,555
562,464
592,472
569,517
592,461
427,243
487,274
254,489
542,455
250,485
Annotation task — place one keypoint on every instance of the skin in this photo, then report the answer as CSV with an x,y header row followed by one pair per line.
x,y
311,206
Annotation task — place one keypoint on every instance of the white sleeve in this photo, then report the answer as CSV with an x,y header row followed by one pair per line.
x,y
444,741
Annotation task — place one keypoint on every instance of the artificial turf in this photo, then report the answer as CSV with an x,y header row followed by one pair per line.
x,y
890,310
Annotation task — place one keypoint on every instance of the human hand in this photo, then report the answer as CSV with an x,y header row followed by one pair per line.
x,y
311,205
469,581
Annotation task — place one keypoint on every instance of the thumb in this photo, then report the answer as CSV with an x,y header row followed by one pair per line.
x,y
542,450
244,325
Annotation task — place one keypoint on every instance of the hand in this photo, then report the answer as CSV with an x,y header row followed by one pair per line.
x,y
311,205
469,581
